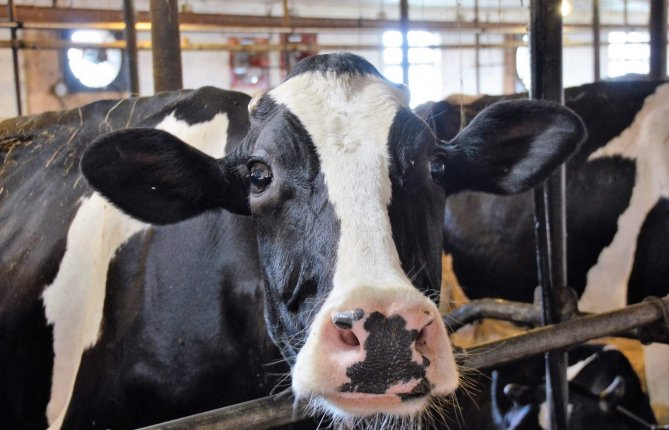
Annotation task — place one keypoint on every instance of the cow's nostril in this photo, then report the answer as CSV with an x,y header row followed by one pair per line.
x,y
349,338
344,320
421,338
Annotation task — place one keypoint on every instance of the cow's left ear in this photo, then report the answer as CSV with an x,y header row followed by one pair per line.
x,y
157,178
510,147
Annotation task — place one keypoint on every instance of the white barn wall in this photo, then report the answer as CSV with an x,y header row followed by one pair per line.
x,y
8,99
577,66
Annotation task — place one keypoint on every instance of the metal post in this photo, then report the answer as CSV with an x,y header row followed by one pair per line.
x,y
477,49
166,45
285,55
596,42
658,39
404,28
11,13
549,201
131,44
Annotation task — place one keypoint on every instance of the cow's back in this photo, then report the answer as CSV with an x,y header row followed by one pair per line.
x,y
491,237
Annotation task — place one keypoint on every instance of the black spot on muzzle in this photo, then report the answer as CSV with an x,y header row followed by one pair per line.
x,y
389,359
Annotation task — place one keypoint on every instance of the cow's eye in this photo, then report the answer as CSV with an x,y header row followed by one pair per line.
x,y
260,176
437,169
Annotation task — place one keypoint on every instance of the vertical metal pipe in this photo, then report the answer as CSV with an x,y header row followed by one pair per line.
x,y
596,41
131,45
285,55
625,14
477,48
549,201
658,39
166,45
404,29
510,65
11,13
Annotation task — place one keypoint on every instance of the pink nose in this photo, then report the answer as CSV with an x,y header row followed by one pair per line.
x,y
384,353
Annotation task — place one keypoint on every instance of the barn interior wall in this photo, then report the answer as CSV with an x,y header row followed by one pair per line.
x,y
41,69
7,101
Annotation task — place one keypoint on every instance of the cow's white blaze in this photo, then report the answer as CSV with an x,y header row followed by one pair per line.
x,y
349,118
74,301
647,142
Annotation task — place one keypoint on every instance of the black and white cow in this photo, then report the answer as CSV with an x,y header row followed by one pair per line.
x,y
320,229
617,210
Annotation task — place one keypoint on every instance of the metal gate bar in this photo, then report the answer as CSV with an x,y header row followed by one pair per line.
x,y
11,14
549,202
658,39
131,45
166,45
269,412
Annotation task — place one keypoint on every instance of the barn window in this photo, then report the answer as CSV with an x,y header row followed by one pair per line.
x,y
425,82
629,52
93,69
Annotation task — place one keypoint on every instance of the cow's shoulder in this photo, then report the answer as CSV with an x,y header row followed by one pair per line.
x,y
607,108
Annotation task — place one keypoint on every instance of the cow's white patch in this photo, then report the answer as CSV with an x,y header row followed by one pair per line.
x,y
575,369
74,301
209,137
349,118
647,142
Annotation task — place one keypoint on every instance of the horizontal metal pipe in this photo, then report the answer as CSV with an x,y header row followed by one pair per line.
x,y
259,414
565,334
187,46
517,312
269,412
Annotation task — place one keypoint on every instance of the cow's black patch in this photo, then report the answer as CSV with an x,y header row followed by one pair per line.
x,y
389,359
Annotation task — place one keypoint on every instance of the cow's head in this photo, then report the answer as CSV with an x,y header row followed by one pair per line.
x,y
347,190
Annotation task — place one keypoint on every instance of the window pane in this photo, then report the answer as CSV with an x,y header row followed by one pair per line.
x,y
393,73
628,53
424,84
392,56
421,38
421,56
392,38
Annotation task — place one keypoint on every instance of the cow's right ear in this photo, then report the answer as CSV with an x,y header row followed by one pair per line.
x,y
157,178
510,147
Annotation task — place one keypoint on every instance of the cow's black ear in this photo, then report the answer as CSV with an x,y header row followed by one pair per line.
x,y
157,178
511,147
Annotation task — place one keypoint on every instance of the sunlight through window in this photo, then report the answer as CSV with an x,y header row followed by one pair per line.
x,y
425,82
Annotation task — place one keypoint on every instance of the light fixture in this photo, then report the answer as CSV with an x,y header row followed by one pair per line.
x,y
94,68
